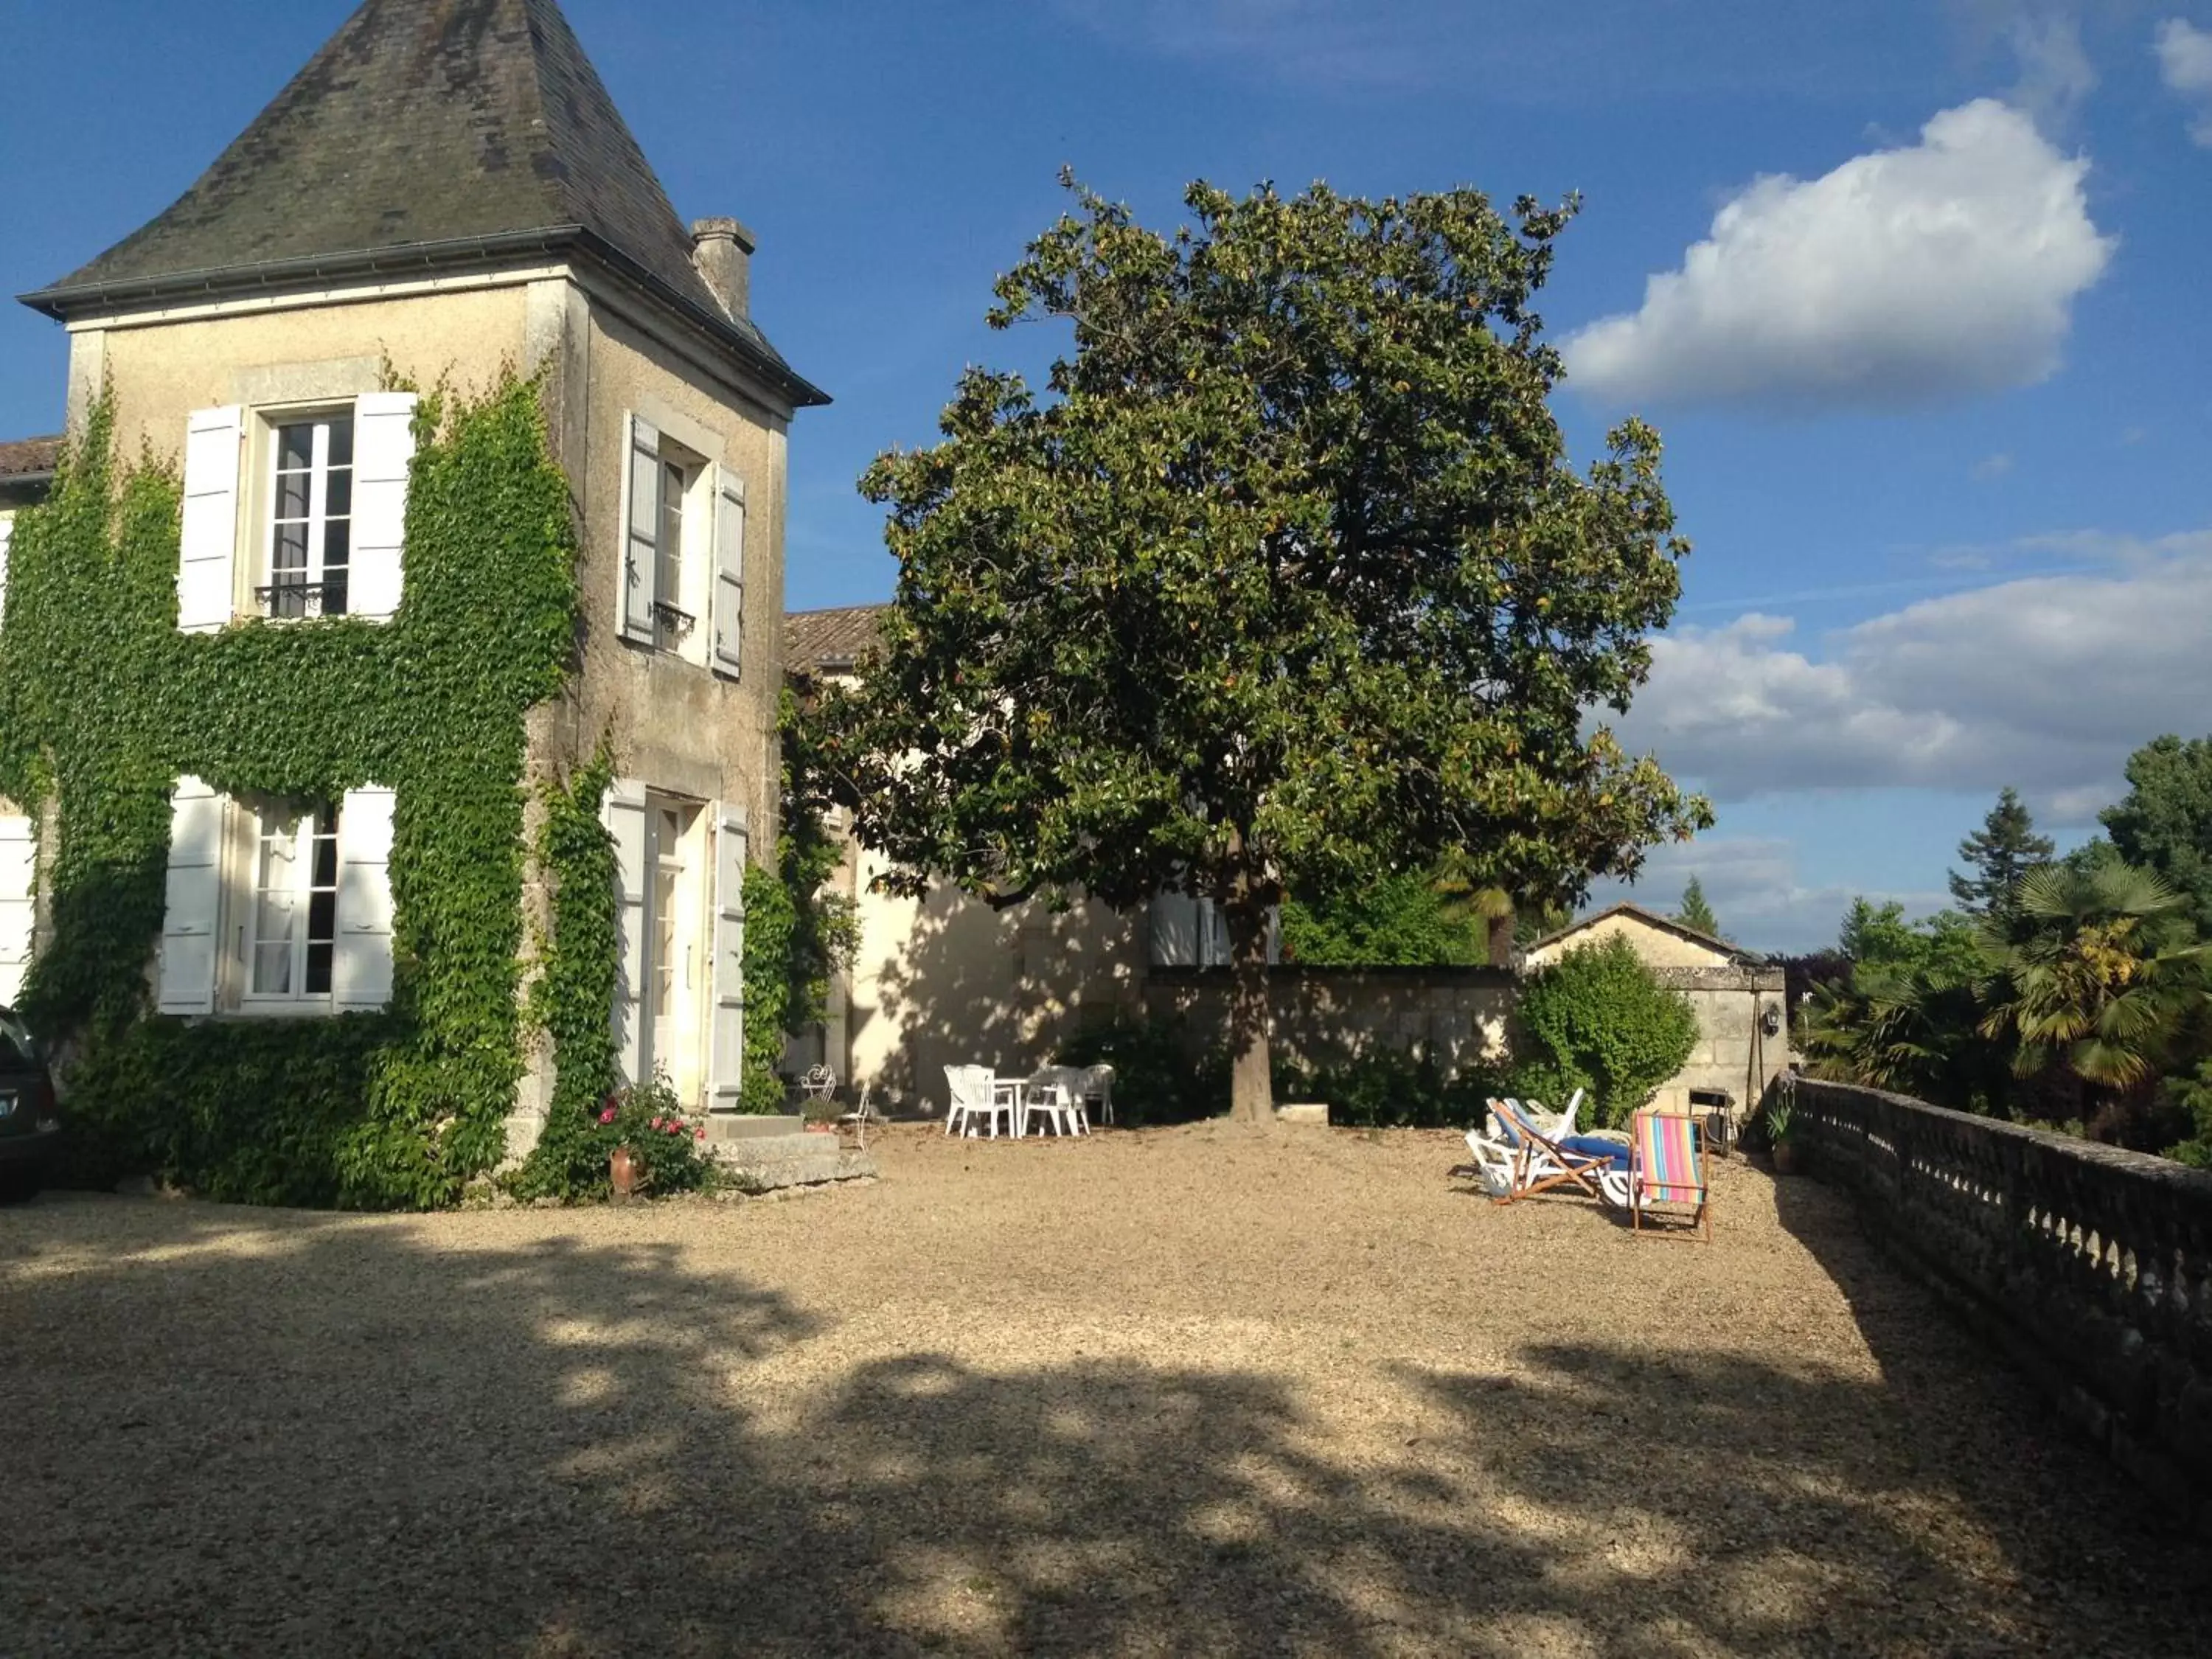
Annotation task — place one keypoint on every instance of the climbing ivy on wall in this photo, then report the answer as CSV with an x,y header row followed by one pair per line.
x,y
103,703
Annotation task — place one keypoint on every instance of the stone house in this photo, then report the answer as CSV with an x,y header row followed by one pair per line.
x,y
445,191
1743,1042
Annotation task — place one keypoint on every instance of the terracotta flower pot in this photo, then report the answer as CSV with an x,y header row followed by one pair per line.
x,y
1785,1157
622,1170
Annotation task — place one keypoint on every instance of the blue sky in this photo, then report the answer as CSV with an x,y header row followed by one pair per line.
x,y
1927,341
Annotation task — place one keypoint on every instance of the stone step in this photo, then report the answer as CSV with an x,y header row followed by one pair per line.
x,y
763,1162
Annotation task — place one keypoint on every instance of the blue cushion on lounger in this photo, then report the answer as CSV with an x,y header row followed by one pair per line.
x,y
1595,1146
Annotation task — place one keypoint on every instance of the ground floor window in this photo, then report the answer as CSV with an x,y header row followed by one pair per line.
x,y
295,902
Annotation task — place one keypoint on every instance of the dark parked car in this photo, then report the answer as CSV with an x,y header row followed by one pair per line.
x,y
30,1126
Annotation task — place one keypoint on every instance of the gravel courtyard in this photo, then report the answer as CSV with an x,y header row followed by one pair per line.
x,y
1171,1392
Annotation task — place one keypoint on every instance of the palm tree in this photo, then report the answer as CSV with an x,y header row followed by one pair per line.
x,y
1908,1029
2096,970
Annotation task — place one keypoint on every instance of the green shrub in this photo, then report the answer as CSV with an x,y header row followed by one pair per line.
x,y
1401,920
1388,1089
1155,1080
1598,1019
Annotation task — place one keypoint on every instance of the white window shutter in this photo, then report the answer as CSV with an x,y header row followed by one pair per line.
x,y
383,445
19,861
206,587
623,814
727,603
726,1038
360,959
195,894
640,516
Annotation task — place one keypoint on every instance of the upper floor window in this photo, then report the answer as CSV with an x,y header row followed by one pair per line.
x,y
295,512
310,518
682,576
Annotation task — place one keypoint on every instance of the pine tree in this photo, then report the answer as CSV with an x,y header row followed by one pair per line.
x,y
2005,849
1695,912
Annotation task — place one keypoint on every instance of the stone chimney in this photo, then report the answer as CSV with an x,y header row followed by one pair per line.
x,y
723,249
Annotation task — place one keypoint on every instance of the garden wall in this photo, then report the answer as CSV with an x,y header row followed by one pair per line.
x,y
1325,1016
2092,1266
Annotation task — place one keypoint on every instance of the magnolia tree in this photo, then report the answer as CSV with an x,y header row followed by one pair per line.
x,y
1284,583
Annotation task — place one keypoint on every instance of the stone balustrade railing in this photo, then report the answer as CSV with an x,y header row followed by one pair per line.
x,y
2091,1264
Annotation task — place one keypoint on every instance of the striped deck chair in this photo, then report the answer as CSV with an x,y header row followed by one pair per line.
x,y
1666,1165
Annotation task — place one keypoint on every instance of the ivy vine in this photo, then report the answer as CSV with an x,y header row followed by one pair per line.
x,y
103,704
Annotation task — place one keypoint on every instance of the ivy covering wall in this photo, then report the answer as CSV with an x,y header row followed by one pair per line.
x,y
104,703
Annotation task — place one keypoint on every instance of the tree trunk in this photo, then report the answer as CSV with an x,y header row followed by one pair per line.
x,y
1501,940
1251,1026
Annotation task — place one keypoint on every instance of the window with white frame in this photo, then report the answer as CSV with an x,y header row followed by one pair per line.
x,y
295,512
293,931
276,908
682,588
310,539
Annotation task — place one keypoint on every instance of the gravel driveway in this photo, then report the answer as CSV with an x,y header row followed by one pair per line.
x,y
1171,1392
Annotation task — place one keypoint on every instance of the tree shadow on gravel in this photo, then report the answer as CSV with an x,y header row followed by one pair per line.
x,y
272,1433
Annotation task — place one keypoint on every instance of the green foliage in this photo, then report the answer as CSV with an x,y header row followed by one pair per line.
x,y
1157,1079
1695,912
2164,823
1401,920
574,990
1286,584
668,1148
2099,973
1390,1089
1598,1019
2005,849
771,927
826,930
103,703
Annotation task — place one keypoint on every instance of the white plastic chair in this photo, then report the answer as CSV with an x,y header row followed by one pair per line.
x,y
974,1093
1047,1095
1096,1089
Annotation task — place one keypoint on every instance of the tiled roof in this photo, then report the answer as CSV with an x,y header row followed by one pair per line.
x,y
28,458
422,127
834,638
1652,919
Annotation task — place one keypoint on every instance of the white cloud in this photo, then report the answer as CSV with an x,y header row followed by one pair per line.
x,y
2055,72
1753,884
1991,466
1905,277
2185,62
2046,682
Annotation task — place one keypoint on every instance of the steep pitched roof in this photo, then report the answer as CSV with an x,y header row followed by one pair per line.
x,y
830,639
1653,919
424,133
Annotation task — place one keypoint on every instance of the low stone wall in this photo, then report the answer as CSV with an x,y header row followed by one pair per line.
x,y
2091,1266
1326,1016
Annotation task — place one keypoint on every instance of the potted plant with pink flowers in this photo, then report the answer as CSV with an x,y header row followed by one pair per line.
x,y
653,1146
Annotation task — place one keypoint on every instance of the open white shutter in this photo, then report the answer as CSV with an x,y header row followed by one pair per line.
x,y
383,445
360,959
205,588
623,814
19,859
7,535
727,603
195,894
640,514
726,1035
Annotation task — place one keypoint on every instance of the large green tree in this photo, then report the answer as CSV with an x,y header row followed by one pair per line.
x,y
2164,823
1283,582
2005,849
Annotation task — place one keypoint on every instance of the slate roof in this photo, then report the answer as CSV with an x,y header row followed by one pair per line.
x,y
830,639
24,459
425,133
